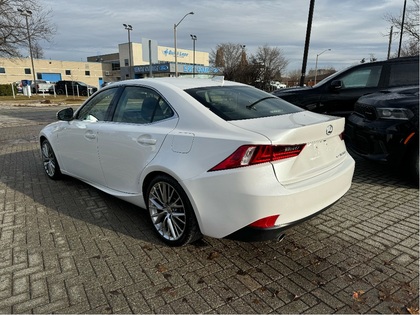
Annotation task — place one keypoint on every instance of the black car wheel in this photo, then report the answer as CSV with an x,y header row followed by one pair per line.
x,y
59,92
51,167
413,165
171,212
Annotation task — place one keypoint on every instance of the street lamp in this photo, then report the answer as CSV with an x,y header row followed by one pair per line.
x,y
194,38
176,57
26,14
316,63
129,28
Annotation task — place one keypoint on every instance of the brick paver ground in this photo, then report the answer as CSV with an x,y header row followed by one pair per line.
x,y
66,247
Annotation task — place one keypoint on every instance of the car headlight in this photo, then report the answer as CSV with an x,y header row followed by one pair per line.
x,y
394,113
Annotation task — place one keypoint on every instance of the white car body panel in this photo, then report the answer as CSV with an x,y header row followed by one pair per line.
x,y
118,157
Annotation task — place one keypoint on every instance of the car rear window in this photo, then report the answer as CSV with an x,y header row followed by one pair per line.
x,y
241,102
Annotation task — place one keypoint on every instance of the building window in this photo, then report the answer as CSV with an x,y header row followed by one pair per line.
x,y
87,72
27,71
126,62
68,72
116,66
2,70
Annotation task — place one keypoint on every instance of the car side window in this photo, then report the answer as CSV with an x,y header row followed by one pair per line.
x,y
138,105
362,77
404,74
97,107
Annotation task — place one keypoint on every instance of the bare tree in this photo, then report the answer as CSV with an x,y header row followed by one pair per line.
x,y
13,30
37,51
410,46
294,76
273,63
227,55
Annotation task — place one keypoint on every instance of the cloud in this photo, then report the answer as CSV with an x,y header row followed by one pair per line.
x,y
352,29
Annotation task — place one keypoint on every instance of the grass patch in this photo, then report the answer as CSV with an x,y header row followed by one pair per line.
x,y
47,99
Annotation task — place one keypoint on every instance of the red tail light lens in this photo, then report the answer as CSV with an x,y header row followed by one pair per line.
x,y
264,223
256,154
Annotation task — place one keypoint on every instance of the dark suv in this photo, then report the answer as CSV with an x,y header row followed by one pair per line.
x,y
337,94
73,88
385,127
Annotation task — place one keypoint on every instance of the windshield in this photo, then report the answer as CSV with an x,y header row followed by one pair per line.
x,y
241,102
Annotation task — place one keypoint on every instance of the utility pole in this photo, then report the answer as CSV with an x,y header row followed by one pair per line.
x,y
402,28
26,14
308,38
389,44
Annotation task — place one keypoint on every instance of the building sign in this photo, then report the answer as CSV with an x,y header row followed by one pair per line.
x,y
169,67
170,52
201,69
164,67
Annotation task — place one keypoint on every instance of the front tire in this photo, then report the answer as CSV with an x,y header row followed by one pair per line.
x,y
171,212
49,161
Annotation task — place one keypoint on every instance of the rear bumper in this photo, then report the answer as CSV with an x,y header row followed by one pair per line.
x,y
230,201
253,234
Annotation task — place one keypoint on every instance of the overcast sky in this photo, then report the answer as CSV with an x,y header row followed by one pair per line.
x,y
352,29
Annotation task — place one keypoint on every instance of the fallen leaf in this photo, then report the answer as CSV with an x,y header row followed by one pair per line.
x,y
213,255
412,310
357,295
161,268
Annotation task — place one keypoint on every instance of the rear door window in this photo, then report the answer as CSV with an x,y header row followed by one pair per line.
x,y
404,74
138,105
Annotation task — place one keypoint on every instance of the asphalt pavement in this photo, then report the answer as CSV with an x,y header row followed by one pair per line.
x,y
66,247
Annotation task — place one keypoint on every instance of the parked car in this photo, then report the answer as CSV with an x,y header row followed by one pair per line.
x,y
18,85
41,86
205,157
385,128
337,94
277,85
72,88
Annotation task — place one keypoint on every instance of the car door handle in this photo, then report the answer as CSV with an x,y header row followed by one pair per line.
x,y
146,141
90,135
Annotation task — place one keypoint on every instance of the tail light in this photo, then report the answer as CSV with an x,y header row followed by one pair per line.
x,y
264,223
255,154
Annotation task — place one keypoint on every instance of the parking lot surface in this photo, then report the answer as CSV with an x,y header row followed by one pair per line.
x,y
66,247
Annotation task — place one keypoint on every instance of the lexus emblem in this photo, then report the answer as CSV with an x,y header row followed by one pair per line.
x,y
329,130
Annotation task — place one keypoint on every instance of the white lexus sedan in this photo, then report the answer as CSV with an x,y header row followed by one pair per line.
x,y
204,157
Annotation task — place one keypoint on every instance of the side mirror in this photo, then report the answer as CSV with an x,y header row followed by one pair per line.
x,y
336,85
65,114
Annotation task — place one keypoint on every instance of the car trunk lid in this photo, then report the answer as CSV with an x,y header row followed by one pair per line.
x,y
321,135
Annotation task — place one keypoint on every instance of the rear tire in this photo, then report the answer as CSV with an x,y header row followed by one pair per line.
x,y
59,92
171,212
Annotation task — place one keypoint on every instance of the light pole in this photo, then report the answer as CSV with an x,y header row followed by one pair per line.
x,y
129,28
176,57
316,63
194,38
26,14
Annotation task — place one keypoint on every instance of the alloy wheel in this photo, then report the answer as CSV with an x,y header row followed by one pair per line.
x,y
167,211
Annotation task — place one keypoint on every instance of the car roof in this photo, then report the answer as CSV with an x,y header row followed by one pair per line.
x,y
183,82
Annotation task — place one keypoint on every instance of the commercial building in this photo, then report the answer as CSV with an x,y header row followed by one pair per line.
x,y
133,60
